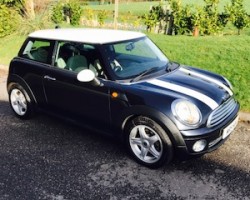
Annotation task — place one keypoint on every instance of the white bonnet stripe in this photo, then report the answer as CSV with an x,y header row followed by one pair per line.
x,y
205,99
207,78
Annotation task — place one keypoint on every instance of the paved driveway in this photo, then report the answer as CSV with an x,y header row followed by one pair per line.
x,y
45,158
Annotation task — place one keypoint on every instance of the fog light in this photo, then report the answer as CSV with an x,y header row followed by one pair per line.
x,y
199,145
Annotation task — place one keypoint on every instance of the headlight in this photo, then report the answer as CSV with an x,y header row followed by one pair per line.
x,y
186,112
228,83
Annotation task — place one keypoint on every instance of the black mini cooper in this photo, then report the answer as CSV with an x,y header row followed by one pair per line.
x,y
121,83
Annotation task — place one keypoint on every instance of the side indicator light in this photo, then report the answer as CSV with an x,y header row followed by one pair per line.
x,y
114,94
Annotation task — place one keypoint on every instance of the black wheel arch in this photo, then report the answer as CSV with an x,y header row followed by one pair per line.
x,y
14,79
164,121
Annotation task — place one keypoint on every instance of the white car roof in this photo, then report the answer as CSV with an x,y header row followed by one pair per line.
x,y
86,35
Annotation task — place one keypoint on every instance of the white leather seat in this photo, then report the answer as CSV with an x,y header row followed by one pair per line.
x,y
77,63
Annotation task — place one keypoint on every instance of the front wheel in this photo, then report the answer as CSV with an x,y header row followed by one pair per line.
x,y
20,102
148,143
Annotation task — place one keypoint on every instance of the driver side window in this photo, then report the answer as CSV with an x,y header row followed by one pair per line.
x,y
77,57
65,52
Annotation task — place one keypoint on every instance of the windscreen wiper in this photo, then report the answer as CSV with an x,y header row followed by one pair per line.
x,y
146,72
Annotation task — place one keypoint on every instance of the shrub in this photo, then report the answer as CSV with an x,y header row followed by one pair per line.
x,y
155,17
14,4
89,13
182,17
40,21
57,14
75,12
71,10
8,20
212,23
238,15
150,20
207,19
102,15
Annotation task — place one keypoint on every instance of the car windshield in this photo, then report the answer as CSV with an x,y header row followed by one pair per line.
x,y
135,58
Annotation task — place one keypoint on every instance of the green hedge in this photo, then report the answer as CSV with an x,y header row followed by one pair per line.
x,y
8,21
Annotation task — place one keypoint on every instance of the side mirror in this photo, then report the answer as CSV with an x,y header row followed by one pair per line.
x,y
87,75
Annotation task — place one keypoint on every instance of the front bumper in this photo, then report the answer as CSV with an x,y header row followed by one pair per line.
x,y
214,137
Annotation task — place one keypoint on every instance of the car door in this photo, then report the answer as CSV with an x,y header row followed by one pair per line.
x,y
72,98
33,58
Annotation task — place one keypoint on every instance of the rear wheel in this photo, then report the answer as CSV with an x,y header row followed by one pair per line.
x,y
148,143
20,101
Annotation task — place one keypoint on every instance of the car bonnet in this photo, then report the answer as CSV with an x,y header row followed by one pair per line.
x,y
193,84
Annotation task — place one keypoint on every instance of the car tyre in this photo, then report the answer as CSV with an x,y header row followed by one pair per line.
x,y
20,101
148,143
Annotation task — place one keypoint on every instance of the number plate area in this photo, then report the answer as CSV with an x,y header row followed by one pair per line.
x,y
229,129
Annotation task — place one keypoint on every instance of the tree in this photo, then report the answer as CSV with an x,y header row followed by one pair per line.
x,y
211,23
238,15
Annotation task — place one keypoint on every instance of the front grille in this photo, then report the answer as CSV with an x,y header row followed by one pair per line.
x,y
221,113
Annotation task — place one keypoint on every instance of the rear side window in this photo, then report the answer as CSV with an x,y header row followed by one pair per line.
x,y
37,50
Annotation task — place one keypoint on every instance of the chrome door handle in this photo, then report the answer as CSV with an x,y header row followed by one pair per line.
x,y
49,78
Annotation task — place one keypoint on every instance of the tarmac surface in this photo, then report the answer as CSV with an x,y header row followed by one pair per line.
x,y
46,158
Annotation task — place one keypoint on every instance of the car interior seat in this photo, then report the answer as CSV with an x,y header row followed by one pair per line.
x,y
61,63
77,63
41,54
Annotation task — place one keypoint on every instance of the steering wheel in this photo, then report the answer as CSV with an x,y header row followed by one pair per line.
x,y
116,66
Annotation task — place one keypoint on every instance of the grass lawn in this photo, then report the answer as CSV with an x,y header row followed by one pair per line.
x,y
228,56
9,47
